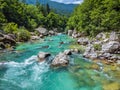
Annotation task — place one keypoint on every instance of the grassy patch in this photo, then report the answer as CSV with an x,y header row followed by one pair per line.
x,y
81,48
97,47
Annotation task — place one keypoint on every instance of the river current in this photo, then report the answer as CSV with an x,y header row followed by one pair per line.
x,y
21,71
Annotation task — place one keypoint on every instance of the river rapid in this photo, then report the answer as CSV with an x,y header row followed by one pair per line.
x,y
21,71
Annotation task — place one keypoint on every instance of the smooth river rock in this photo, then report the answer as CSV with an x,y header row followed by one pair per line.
x,y
42,56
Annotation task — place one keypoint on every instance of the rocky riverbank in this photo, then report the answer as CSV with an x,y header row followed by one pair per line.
x,y
105,46
9,41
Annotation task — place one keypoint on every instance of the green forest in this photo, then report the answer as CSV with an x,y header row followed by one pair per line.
x,y
95,16
90,17
18,17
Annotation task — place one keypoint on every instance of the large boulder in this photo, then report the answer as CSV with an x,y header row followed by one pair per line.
x,y
101,36
67,52
108,56
114,37
42,31
12,36
90,52
9,40
42,56
51,32
35,37
83,41
104,56
111,47
62,59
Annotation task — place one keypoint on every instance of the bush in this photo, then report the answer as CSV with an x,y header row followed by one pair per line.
x,y
97,47
11,28
23,34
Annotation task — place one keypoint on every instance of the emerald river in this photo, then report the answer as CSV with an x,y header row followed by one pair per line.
x,y
20,71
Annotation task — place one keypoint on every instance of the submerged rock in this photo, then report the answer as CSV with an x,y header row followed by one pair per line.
x,y
47,46
42,56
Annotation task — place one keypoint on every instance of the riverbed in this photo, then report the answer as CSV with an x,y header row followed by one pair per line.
x,y
22,72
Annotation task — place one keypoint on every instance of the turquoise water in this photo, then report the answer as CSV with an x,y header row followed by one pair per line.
x,y
22,72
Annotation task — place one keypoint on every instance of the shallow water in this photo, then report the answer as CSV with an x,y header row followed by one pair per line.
x,y
22,72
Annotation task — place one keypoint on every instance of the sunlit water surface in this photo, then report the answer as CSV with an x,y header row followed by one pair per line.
x,y
22,72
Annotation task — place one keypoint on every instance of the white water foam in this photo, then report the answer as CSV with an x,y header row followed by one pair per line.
x,y
26,73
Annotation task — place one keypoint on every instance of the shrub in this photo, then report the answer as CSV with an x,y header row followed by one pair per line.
x,y
23,34
11,28
97,47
